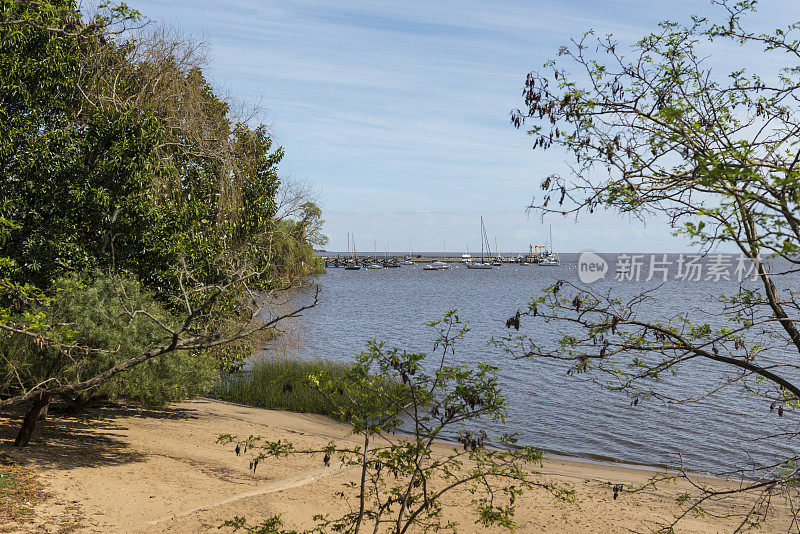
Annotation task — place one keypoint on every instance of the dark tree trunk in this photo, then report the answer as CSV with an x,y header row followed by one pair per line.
x,y
29,423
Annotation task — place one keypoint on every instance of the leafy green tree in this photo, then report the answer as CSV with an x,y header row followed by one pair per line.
x,y
293,241
119,164
654,129
144,166
403,478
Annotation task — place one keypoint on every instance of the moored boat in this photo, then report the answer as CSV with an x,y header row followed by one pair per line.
x,y
551,258
483,264
478,265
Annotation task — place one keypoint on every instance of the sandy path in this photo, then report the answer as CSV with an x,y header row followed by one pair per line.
x,y
139,471
279,485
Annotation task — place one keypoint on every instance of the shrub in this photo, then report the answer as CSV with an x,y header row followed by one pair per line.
x,y
120,319
281,384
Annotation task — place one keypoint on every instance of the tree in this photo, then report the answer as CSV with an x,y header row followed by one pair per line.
x,y
654,129
403,479
123,174
298,228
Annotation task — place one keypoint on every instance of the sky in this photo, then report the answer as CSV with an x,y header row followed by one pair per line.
x,y
397,113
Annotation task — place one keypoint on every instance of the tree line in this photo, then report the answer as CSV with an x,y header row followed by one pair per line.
x,y
144,229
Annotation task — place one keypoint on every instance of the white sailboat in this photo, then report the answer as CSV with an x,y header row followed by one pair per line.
x,y
441,264
374,264
408,261
496,262
552,258
352,265
482,264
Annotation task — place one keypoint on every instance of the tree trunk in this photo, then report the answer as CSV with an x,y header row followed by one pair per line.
x,y
29,423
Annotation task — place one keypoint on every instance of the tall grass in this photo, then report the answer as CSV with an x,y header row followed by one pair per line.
x,y
278,384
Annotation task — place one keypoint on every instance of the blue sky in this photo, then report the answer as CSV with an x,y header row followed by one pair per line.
x,y
398,112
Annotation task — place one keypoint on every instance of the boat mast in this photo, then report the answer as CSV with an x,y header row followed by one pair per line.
x,y
482,233
485,240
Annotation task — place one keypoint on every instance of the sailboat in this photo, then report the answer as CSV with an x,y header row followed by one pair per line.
x,y
374,264
393,264
408,261
552,257
482,264
351,264
496,261
440,264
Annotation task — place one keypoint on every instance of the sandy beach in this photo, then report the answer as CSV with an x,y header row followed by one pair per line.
x,y
125,469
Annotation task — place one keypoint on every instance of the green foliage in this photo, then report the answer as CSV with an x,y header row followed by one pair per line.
x,y
662,127
659,128
404,479
270,525
119,320
297,259
7,482
89,156
281,384
147,172
120,163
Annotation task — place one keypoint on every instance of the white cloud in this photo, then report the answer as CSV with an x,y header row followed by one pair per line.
x,y
399,107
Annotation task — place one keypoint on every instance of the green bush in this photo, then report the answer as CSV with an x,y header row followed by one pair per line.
x,y
120,319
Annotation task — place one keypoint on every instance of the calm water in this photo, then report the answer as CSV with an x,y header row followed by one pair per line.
x,y
548,409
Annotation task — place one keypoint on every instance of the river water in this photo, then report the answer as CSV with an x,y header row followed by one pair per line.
x,y
561,414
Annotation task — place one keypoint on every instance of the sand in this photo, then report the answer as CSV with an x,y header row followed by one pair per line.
x,y
122,469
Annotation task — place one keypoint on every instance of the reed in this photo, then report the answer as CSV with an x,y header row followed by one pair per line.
x,y
279,384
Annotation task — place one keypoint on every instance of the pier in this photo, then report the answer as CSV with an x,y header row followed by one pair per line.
x,y
341,260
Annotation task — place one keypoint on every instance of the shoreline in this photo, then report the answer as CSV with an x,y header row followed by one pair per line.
x,y
128,469
591,458
587,457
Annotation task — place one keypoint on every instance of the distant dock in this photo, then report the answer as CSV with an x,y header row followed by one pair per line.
x,y
341,260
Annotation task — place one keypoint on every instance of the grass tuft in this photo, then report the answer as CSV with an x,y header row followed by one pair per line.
x,y
7,482
278,384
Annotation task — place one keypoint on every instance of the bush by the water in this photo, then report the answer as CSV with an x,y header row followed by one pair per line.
x,y
281,384
120,319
